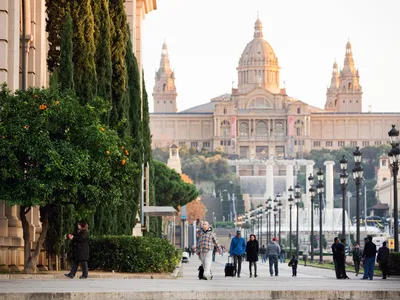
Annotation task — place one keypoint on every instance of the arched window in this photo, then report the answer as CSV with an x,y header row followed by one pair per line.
x,y
164,87
260,103
350,86
279,130
225,111
225,128
244,129
261,128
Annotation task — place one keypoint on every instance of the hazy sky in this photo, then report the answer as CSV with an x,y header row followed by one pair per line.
x,y
206,39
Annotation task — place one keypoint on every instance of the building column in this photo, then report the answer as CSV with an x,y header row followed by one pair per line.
x,y
270,179
3,220
289,175
309,170
14,224
329,184
4,32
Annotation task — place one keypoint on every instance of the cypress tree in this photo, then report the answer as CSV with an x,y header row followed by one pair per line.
x,y
55,11
85,78
146,125
119,38
102,36
66,76
134,108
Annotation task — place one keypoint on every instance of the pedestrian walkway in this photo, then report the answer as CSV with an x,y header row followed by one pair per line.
x,y
310,284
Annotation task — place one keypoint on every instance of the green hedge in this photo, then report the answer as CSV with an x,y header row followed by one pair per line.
x,y
394,263
132,254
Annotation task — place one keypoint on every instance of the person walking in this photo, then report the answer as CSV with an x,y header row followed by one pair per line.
x,y
207,241
356,253
293,263
263,253
369,259
282,255
383,259
335,256
341,259
80,244
237,249
252,249
273,251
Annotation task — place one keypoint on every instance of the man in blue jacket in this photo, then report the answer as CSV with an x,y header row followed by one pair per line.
x,y
237,249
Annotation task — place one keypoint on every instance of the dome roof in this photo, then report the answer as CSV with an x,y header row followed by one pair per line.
x,y
258,51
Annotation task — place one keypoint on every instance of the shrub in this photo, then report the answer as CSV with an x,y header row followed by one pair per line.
x,y
132,254
394,263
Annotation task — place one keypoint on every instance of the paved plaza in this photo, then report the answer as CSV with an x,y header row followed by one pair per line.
x,y
311,283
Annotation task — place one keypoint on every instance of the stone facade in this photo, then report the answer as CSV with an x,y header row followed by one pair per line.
x,y
259,120
11,241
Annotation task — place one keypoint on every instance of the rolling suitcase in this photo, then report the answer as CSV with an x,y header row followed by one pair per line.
x,y
229,268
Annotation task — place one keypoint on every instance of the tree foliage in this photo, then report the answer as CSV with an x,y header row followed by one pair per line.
x,y
55,151
66,76
85,78
55,12
102,38
119,39
170,189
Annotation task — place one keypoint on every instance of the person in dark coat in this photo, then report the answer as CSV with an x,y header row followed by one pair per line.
x,y
252,250
369,259
80,239
383,259
293,263
341,259
335,256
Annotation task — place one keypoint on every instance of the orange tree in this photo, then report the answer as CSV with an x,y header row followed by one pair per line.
x,y
55,151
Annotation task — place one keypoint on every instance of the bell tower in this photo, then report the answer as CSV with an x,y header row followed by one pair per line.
x,y
332,91
350,92
164,91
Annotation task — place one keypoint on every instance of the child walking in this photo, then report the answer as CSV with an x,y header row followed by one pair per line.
x,y
293,263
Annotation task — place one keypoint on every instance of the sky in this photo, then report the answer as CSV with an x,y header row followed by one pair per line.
x,y
206,38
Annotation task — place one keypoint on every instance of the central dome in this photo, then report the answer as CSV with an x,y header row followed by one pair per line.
x,y
258,65
258,51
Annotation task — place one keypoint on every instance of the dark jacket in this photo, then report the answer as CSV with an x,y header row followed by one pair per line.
x,y
369,250
293,263
263,250
340,252
81,241
252,250
383,255
335,253
357,254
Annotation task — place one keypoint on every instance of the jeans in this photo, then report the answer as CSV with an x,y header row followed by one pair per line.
x,y
75,268
282,258
273,261
237,261
206,261
369,265
294,270
263,258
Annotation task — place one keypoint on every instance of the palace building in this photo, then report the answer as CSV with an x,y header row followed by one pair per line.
x,y
258,119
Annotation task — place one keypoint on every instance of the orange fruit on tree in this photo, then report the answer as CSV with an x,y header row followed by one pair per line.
x,y
102,129
108,152
123,162
126,152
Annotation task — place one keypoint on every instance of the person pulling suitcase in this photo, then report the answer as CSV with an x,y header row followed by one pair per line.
x,y
236,250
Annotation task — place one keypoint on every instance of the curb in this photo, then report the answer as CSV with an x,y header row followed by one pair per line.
x,y
208,295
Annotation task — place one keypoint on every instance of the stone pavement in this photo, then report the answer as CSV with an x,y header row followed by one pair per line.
x,y
311,284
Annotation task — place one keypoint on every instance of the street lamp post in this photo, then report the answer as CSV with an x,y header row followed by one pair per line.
x,y
261,212
297,202
320,191
343,183
312,194
275,213
394,157
358,173
279,211
290,199
268,209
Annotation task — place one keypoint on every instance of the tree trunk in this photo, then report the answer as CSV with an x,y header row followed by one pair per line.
x,y
31,265
25,234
